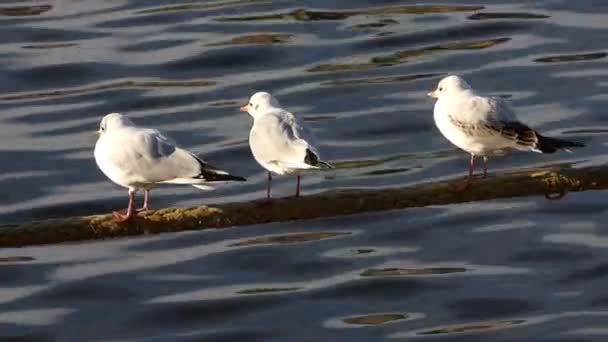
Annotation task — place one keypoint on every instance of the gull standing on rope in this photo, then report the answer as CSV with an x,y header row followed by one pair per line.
x,y
280,143
140,158
485,126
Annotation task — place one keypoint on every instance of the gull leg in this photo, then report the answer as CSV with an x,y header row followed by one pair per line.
x,y
146,206
465,184
485,166
120,217
298,187
471,167
268,187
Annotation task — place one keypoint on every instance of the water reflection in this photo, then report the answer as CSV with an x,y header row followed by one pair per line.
x,y
307,15
357,71
24,10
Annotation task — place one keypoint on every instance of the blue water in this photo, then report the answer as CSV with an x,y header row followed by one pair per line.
x,y
357,72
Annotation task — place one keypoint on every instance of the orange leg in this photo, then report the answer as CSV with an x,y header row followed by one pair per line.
x,y
146,206
120,217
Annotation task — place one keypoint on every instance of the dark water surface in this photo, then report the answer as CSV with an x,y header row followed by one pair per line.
x,y
358,71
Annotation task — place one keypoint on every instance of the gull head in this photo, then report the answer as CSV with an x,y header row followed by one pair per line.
x,y
259,104
450,85
112,121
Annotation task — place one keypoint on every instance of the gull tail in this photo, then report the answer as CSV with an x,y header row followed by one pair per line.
x,y
219,176
551,145
209,173
202,183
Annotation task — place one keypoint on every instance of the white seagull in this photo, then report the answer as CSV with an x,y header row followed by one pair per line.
x,y
485,126
140,158
280,143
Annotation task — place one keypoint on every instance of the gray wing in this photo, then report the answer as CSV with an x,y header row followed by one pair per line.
x,y
301,133
152,157
307,138
280,137
492,116
179,163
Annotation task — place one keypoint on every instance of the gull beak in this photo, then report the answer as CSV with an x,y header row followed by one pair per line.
x,y
432,94
245,109
98,132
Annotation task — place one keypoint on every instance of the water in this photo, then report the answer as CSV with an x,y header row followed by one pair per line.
x,y
358,71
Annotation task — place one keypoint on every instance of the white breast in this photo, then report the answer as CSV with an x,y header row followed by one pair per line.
x,y
476,145
264,150
480,143
114,173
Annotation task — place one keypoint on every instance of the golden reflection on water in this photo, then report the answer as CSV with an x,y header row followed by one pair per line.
x,y
24,10
506,15
267,290
104,87
474,327
380,80
12,259
572,58
394,271
306,15
256,39
288,238
407,55
375,319
201,6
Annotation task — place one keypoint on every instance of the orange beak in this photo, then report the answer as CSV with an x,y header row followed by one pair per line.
x,y
245,108
432,94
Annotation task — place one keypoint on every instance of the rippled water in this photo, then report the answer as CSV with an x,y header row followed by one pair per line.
x,y
358,71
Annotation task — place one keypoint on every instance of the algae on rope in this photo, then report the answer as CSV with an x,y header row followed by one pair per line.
x,y
547,182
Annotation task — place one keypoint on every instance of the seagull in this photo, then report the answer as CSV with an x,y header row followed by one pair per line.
x,y
140,158
280,143
485,126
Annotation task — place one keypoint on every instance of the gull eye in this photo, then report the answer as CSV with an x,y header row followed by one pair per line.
x,y
250,104
440,88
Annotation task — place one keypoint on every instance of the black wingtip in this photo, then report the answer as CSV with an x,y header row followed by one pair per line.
x,y
211,176
551,145
311,158
239,179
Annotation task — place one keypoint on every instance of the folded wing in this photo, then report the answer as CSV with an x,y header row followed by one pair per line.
x,y
154,158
